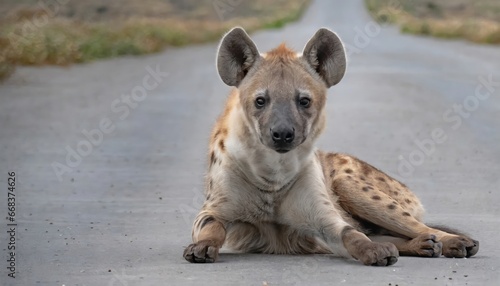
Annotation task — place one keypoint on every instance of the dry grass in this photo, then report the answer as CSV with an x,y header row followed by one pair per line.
x,y
82,31
477,21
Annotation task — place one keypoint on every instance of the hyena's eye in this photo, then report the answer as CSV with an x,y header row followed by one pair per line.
x,y
305,102
260,102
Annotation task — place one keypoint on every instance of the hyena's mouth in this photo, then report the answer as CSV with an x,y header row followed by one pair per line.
x,y
282,151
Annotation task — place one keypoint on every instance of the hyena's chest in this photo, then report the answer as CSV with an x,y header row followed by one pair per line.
x,y
255,189
259,206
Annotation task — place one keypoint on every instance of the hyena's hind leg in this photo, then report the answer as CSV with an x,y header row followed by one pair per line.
x,y
370,195
456,243
424,245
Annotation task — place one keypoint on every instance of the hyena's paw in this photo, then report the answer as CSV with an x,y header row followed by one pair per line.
x,y
204,251
426,245
459,246
379,254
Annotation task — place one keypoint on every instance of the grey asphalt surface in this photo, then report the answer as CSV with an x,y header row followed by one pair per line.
x,y
122,214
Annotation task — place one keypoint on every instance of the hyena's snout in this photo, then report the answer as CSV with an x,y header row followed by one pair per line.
x,y
283,130
283,135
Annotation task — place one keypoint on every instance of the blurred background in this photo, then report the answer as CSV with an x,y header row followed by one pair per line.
x,y
63,32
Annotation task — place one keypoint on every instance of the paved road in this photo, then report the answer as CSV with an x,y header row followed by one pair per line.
x,y
120,214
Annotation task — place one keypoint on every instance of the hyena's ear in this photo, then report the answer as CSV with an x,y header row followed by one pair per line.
x,y
237,53
326,55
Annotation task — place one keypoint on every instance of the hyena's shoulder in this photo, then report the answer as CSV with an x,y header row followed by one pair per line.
x,y
221,129
347,167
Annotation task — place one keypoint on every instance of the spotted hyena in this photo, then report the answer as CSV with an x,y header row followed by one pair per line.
x,y
269,190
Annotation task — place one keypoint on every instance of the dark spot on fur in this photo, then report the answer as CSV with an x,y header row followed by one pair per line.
x,y
362,178
332,173
396,193
343,161
210,184
217,133
267,202
406,214
365,169
224,131
348,171
223,200
213,160
365,189
381,179
376,197
408,201
208,197
206,220
391,206
221,145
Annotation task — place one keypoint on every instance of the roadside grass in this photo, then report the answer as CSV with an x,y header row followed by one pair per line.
x,y
30,35
477,21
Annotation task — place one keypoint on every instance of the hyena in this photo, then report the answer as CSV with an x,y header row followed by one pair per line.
x,y
269,190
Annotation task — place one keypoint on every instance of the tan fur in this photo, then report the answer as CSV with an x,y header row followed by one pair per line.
x,y
304,200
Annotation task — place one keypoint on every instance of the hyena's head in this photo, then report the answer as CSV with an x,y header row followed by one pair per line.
x,y
282,93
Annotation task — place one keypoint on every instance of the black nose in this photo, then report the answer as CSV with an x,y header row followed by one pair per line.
x,y
283,135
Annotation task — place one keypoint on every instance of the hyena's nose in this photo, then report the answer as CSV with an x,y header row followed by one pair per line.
x,y
282,135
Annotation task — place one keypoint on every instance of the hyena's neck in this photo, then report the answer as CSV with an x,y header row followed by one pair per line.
x,y
237,146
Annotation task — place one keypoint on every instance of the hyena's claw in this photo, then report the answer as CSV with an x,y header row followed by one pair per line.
x,y
204,251
472,250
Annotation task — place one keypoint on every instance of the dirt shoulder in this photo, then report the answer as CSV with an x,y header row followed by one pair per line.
x,y
63,32
477,21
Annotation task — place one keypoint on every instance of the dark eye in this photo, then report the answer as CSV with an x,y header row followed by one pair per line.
x,y
260,102
305,102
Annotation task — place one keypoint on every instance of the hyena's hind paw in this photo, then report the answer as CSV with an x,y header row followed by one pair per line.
x,y
459,246
425,245
204,251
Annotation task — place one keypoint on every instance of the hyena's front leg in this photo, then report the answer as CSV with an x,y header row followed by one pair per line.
x,y
208,237
370,253
308,208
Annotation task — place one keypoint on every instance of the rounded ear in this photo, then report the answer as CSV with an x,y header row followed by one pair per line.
x,y
326,55
236,55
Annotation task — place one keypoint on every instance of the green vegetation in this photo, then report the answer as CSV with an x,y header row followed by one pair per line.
x,y
477,21
82,31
